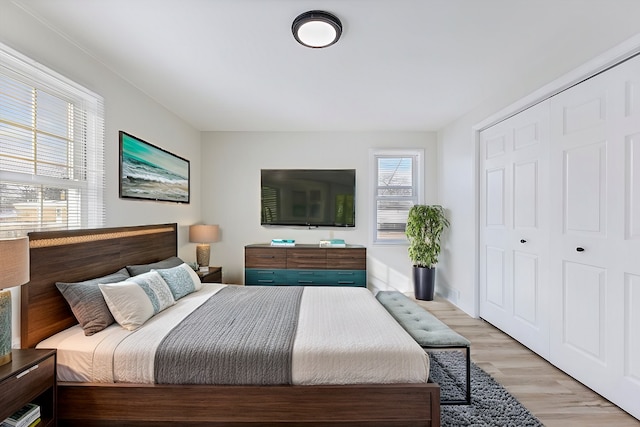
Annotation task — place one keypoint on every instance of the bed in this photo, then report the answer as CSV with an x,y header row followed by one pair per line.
x,y
73,256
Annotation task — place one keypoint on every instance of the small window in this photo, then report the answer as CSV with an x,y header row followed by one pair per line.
x,y
396,188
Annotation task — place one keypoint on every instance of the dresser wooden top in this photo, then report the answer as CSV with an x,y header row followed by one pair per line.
x,y
301,246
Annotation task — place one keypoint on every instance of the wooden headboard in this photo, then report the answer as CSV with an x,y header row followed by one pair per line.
x,y
77,255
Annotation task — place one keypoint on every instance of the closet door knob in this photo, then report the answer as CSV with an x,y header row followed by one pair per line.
x,y
579,249
523,241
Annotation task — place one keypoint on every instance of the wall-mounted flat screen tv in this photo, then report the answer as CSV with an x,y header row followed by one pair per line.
x,y
151,173
308,197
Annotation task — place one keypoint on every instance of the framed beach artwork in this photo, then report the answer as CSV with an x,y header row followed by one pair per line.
x,y
150,173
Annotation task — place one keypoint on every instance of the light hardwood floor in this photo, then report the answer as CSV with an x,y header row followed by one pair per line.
x,y
551,395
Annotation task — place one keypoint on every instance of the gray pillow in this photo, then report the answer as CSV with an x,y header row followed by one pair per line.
x,y
88,304
173,261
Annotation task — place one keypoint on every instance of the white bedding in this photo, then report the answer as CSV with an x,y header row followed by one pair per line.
x,y
344,336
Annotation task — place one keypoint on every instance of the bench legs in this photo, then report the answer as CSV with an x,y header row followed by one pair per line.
x,y
467,350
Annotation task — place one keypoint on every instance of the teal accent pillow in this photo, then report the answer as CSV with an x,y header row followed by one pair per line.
x,y
88,304
182,280
156,289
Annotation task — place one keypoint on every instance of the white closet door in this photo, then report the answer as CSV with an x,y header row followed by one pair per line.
x,y
595,249
623,132
514,227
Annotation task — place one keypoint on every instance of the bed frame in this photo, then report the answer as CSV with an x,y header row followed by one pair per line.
x,y
77,255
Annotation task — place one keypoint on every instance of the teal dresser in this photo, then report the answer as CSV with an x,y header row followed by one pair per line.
x,y
305,265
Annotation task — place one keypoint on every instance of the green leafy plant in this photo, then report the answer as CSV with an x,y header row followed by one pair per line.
x,y
424,227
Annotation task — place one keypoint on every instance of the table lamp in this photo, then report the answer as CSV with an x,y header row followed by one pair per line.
x,y
203,234
14,271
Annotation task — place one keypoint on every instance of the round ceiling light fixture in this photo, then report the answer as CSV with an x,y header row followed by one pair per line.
x,y
316,29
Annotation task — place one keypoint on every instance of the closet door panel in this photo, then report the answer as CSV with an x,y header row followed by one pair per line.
x,y
595,244
525,185
626,129
586,113
584,312
526,288
513,232
495,195
585,200
579,243
495,267
631,320
632,177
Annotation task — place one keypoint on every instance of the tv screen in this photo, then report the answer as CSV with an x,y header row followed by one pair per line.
x,y
309,197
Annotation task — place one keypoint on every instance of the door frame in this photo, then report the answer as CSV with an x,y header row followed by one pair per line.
x,y
608,59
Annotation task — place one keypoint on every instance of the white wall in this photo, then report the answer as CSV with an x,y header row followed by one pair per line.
x,y
231,192
457,176
126,108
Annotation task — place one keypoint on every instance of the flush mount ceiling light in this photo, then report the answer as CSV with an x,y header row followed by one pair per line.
x,y
316,29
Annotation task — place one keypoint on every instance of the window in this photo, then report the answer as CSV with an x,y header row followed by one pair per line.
x,y
397,187
51,150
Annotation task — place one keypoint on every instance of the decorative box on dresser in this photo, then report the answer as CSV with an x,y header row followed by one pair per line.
x,y
305,265
30,377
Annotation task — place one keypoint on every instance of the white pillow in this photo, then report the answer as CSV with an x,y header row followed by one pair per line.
x,y
128,303
137,299
182,280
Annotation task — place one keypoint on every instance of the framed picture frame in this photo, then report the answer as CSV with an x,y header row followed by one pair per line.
x,y
148,172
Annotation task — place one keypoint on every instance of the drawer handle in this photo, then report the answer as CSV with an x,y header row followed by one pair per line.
x,y
345,274
264,281
266,272
346,282
25,372
305,281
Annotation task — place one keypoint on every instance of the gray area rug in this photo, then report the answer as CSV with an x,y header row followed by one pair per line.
x,y
491,404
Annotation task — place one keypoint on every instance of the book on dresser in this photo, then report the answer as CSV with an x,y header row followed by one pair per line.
x,y
283,242
23,417
333,243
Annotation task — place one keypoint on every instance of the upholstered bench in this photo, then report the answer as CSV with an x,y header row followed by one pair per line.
x,y
427,330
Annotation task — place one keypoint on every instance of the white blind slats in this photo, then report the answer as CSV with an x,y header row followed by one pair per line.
x,y
51,150
396,192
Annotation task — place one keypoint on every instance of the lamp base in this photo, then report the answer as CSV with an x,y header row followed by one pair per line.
x,y
203,251
5,327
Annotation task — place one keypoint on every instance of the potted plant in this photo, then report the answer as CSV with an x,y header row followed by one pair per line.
x,y
424,227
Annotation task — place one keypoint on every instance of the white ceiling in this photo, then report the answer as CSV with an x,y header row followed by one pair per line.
x,y
400,64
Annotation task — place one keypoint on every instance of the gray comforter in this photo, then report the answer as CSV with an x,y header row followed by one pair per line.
x,y
239,336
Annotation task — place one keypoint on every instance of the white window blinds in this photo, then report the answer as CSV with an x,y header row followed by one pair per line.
x,y
397,188
51,150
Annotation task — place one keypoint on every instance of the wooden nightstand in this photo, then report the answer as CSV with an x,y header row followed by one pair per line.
x,y
29,378
214,275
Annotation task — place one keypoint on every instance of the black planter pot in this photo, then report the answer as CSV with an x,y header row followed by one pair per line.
x,y
424,282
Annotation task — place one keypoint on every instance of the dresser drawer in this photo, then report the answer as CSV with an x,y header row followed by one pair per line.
x,y
26,385
257,276
307,258
347,258
347,277
265,258
307,277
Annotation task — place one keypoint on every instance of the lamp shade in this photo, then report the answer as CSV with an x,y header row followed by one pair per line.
x,y
14,270
203,233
